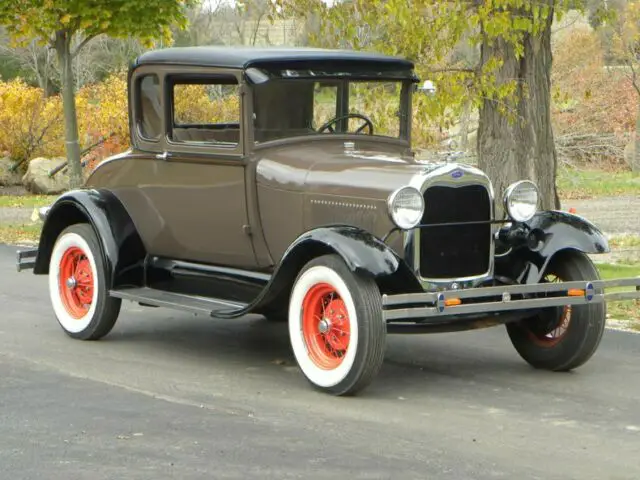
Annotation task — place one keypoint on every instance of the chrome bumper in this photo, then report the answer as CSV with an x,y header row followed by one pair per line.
x,y
430,305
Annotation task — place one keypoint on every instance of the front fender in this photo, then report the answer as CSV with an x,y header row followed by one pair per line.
x,y
360,250
122,249
555,231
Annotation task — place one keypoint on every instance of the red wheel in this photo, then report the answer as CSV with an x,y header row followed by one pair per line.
x,y
78,285
325,326
336,327
76,282
556,335
552,331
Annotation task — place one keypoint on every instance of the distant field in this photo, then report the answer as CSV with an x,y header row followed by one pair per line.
x,y
581,183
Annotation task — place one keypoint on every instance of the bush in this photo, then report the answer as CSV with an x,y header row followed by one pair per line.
x,y
30,124
102,111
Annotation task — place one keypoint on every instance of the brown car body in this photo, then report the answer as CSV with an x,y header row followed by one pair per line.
x,y
223,217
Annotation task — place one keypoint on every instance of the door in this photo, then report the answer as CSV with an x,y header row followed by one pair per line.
x,y
188,199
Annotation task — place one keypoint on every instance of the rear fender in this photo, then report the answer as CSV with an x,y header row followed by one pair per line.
x,y
122,248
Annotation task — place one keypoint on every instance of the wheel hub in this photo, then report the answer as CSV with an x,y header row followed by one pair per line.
x,y
324,325
71,282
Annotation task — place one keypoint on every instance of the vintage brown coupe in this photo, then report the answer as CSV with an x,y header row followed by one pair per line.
x,y
283,182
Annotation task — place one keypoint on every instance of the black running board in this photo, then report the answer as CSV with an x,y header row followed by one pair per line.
x,y
177,301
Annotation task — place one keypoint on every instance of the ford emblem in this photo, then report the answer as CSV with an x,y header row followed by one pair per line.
x,y
457,174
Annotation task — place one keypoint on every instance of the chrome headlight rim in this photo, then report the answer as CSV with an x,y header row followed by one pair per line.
x,y
391,202
508,193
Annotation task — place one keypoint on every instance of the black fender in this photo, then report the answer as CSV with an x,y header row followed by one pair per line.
x,y
122,248
361,251
543,237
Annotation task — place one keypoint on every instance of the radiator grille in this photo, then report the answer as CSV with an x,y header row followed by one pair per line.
x,y
455,251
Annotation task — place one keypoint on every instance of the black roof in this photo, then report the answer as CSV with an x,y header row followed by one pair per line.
x,y
245,57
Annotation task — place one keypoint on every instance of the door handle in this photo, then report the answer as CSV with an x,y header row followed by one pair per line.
x,y
163,156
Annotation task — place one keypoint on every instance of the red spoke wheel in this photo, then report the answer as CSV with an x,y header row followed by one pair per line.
x,y
562,338
325,326
550,328
78,285
76,282
337,332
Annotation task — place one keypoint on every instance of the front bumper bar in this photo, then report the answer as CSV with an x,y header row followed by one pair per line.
x,y
431,305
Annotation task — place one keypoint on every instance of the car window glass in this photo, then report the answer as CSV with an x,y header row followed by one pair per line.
x,y
206,112
149,112
324,104
380,102
300,107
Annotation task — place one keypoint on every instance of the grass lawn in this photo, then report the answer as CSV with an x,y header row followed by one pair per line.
x,y
26,201
583,183
624,242
14,234
626,310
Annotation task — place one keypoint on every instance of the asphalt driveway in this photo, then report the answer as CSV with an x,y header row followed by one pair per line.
x,y
171,395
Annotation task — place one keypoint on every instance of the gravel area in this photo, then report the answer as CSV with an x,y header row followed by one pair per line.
x,y
15,215
17,190
614,215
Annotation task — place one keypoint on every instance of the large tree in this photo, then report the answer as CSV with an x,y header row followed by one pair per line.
x,y
67,26
515,137
495,54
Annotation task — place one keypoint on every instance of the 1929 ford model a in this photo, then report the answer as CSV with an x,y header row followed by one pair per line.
x,y
272,181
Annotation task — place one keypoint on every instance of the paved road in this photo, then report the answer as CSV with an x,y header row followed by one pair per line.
x,y
169,395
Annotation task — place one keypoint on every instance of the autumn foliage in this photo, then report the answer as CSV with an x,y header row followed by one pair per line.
x,y
31,124
589,97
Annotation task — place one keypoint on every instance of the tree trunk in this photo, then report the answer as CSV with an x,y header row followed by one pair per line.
x,y
464,126
522,148
635,164
63,50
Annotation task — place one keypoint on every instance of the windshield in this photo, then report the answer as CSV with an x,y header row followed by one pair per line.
x,y
286,108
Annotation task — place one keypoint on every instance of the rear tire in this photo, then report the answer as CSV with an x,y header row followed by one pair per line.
x,y
336,327
78,285
562,338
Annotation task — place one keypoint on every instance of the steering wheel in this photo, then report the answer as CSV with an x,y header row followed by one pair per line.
x,y
329,125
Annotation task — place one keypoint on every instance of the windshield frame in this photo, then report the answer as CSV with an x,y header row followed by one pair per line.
x,y
343,78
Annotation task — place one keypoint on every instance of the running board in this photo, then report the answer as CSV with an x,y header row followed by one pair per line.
x,y
176,301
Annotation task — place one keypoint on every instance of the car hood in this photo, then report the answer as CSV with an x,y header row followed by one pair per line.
x,y
366,170
361,174
336,170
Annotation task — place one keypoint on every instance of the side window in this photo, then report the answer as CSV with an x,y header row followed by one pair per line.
x,y
149,108
206,111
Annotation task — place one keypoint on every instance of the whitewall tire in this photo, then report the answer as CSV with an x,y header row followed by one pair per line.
x,y
337,332
78,285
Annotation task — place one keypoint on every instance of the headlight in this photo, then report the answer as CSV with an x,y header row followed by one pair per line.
x,y
406,207
521,200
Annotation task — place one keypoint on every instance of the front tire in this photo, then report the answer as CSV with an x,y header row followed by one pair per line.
x,y
562,338
336,328
78,285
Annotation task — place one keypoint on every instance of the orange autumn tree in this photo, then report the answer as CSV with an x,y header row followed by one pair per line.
x,y
68,25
